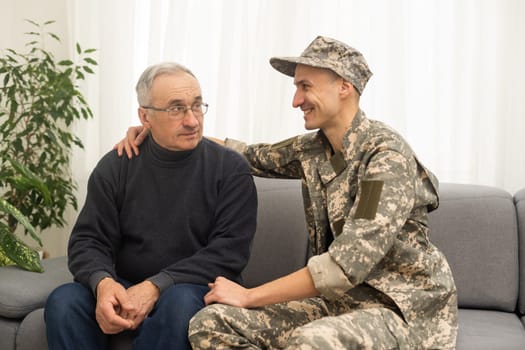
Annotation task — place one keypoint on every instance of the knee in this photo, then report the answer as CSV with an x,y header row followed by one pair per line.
x,y
203,324
209,319
322,334
180,302
186,293
206,317
64,300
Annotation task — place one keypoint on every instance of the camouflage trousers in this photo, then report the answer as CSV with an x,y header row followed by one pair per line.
x,y
363,319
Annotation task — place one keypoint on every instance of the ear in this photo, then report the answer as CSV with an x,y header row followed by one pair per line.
x,y
144,117
346,89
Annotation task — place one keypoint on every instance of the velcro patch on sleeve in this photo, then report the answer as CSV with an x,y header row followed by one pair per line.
x,y
369,199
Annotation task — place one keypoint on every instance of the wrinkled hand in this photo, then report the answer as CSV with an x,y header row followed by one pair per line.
x,y
112,301
227,292
134,137
143,296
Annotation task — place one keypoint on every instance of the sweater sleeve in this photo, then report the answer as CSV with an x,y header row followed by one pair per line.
x,y
95,236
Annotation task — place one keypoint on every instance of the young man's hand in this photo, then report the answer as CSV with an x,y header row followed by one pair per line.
x,y
134,137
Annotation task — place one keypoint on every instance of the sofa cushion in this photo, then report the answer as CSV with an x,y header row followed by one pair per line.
x,y
489,330
280,245
519,200
32,332
22,291
8,328
476,228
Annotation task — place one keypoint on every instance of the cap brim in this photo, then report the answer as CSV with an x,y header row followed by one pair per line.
x,y
286,65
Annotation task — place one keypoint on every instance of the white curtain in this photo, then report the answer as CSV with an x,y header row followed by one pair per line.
x,y
448,74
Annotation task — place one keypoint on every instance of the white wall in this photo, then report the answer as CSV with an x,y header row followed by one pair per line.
x,y
12,28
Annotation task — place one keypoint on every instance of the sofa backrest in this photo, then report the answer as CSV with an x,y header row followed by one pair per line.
x,y
519,201
280,245
476,228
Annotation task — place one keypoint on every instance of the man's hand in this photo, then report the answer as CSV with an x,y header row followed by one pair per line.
x,y
227,292
112,301
143,296
134,137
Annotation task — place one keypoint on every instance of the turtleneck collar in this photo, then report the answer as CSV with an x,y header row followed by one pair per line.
x,y
166,157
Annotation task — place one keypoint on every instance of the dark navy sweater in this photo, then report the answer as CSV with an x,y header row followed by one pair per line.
x,y
169,217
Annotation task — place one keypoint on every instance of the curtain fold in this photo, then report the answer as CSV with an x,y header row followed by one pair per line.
x,y
448,75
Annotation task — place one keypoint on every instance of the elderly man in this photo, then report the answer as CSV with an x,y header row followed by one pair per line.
x,y
155,229
375,281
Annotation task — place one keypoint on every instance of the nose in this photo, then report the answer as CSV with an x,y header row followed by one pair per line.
x,y
298,99
190,119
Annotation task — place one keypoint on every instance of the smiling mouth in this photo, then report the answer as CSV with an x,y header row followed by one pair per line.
x,y
307,111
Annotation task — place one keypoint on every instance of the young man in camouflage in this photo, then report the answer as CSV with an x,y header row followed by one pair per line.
x,y
375,281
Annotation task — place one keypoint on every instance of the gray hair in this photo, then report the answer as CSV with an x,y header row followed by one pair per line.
x,y
146,79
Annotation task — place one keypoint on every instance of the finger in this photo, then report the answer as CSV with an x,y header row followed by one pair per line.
x,y
110,322
127,148
119,149
141,136
117,324
210,298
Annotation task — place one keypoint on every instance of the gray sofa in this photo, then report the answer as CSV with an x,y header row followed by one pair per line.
x,y
480,229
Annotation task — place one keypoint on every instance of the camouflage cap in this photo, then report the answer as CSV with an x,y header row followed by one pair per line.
x,y
329,53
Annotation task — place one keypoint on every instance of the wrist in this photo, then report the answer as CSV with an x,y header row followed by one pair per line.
x,y
252,298
103,282
153,287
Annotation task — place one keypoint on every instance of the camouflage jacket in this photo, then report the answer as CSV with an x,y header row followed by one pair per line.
x,y
372,199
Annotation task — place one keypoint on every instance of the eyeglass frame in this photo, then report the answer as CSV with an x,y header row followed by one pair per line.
x,y
180,113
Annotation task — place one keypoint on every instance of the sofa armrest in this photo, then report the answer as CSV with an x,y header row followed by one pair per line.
x,y
22,291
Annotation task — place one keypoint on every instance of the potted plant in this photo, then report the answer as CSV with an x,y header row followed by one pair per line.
x,y
39,101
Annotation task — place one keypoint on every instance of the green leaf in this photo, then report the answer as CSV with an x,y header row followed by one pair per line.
x,y
7,208
79,50
32,22
91,61
90,50
88,70
19,252
4,260
49,22
54,36
32,178
65,63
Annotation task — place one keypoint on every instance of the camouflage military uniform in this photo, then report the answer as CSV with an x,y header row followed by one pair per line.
x,y
382,282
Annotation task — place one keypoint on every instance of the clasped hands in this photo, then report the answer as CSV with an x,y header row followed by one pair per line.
x,y
120,309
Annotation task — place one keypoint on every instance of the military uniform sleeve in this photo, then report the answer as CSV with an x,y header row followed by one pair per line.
x,y
279,160
365,240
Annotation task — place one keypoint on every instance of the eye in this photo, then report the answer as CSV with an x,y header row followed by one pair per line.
x,y
177,109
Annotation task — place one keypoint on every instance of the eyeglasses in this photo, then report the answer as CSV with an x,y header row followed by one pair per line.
x,y
178,112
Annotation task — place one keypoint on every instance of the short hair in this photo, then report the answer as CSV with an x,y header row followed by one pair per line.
x,y
145,82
